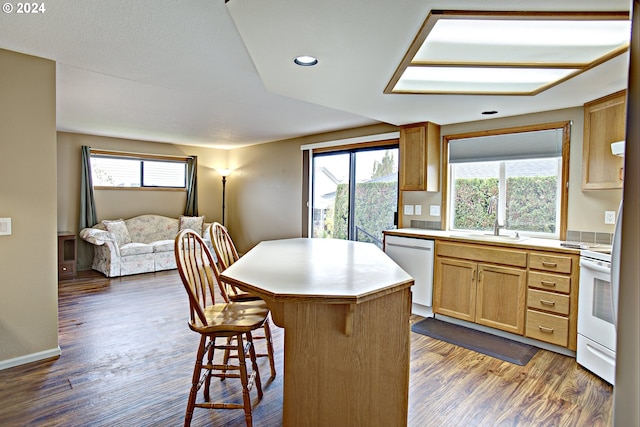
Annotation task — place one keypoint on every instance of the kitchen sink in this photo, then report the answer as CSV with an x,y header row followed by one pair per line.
x,y
490,237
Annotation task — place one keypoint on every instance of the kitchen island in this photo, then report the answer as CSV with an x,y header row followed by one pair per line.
x,y
345,309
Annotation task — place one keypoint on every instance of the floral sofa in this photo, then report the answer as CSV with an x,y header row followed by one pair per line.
x,y
140,244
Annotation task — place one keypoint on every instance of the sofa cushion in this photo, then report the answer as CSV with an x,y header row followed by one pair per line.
x,y
164,261
135,249
150,228
137,264
195,223
119,230
162,246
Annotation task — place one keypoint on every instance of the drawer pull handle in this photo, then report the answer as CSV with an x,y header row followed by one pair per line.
x,y
547,302
549,264
545,329
64,268
547,283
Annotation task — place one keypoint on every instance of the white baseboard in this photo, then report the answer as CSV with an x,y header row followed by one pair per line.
x,y
28,358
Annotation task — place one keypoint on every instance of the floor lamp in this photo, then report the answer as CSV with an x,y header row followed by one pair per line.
x,y
224,173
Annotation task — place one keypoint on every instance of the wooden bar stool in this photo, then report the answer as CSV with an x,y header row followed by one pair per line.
x,y
227,254
217,320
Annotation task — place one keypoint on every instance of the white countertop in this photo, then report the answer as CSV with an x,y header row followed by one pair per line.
x,y
479,238
317,270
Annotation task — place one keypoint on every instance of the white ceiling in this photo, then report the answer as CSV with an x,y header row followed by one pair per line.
x,y
202,72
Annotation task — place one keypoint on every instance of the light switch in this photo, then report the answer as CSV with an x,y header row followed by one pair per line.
x,y
434,210
417,209
408,209
5,226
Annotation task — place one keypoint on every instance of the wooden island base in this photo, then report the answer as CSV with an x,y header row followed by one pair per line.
x,y
332,379
345,309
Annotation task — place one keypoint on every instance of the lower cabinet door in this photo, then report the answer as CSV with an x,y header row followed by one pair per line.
x,y
454,292
501,298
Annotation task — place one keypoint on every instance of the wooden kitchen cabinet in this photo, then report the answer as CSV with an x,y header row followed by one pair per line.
x,y
469,288
528,289
501,298
454,290
552,298
420,157
604,123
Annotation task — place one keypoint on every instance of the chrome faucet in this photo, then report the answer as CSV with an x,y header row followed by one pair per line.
x,y
496,224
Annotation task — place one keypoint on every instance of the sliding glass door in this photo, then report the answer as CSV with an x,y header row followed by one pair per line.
x,y
355,193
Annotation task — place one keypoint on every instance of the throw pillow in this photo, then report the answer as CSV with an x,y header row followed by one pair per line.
x,y
196,223
119,230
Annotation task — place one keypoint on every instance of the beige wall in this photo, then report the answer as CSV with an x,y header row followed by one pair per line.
x,y
627,390
265,188
586,208
113,204
264,192
28,270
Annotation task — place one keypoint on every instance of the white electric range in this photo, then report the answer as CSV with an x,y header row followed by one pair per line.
x,y
596,319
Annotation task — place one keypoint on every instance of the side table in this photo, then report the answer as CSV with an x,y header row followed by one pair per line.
x,y
66,255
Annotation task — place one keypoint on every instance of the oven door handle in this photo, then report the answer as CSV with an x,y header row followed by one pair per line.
x,y
593,266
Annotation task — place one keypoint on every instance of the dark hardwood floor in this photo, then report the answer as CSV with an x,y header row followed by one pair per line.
x,y
127,358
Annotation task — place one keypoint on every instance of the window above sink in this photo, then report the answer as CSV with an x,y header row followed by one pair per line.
x,y
507,182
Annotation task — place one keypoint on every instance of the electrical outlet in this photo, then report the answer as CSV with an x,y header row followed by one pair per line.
x,y
609,217
417,209
408,209
434,210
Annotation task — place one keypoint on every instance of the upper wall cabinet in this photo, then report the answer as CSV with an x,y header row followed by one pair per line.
x,y
604,123
420,157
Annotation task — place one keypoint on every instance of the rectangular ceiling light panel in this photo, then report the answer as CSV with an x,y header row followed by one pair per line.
x,y
507,52
462,80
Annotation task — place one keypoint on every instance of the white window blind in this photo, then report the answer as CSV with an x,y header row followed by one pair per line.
x,y
512,146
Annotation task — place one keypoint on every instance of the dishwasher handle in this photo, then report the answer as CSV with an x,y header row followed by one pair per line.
x,y
423,248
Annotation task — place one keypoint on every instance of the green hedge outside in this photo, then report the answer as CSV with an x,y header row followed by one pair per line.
x,y
372,199
531,204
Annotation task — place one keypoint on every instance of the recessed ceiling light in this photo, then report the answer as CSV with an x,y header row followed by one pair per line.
x,y
509,53
305,60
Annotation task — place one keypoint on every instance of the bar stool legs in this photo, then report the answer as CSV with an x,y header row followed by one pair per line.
x,y
223,371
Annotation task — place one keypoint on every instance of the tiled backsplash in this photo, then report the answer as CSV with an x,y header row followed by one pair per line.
x,y
426,225
572,235
589,237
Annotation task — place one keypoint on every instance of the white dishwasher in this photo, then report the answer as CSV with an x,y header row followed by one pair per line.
x,y
415,256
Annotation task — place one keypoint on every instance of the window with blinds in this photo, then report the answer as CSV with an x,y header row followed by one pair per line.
x,y
514,179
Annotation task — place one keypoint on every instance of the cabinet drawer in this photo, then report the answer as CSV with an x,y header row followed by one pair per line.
x,y
548,301
549,282
67,270
482,253
548,327
549,262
